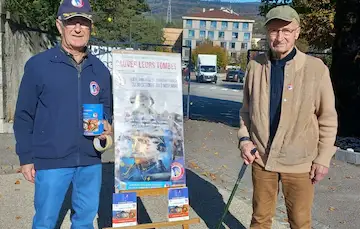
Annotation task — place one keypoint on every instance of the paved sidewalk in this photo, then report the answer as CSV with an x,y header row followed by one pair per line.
x,y
212,151
207,202
213,161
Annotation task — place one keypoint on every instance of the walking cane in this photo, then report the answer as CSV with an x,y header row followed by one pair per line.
x,y
240,176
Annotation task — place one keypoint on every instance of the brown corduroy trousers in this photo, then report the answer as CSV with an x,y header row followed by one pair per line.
x,y
298,193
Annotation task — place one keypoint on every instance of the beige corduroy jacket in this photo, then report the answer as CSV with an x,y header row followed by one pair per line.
x,y
308,123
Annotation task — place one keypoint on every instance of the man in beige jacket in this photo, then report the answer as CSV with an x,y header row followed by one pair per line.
x,y
289,115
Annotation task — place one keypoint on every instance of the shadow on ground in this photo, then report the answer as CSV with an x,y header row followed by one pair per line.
x,y
208,203
232,85
204,198
105,208
213,110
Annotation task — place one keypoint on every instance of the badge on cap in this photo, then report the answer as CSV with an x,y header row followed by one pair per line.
x,y
94,88
77,3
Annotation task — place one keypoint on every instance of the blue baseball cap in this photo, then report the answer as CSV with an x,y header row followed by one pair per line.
x,y
74,8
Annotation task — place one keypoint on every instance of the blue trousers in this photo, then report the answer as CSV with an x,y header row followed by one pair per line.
x,y
50,190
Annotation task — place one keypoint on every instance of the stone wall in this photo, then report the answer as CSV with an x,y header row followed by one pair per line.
x,y
17,45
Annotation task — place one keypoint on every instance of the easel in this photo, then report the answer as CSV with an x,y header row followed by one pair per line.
x,y
157,192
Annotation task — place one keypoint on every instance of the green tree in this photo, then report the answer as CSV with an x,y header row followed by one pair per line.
x,y
267,5
38,14
206,47
345,66
120,20
317,19
241,60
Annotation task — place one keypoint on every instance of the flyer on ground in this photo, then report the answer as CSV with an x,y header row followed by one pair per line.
x,y
148,120
178,204
124,209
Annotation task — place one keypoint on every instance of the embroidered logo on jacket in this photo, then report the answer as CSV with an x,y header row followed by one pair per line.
x,y
94,88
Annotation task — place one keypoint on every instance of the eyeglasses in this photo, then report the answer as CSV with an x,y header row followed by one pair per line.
x,y
285,32
71,24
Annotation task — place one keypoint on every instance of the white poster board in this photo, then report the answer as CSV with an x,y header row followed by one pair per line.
x,y
148,120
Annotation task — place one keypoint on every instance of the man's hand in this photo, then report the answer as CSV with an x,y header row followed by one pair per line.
x,y
107,130
245,148
29,172
318,172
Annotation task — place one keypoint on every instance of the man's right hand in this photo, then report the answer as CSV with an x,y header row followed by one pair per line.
x,y
29,172
245,148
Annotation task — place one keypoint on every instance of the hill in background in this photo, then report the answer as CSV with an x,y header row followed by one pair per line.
x,y
180,8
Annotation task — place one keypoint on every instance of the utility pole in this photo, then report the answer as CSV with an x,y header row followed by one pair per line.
x,y
168,16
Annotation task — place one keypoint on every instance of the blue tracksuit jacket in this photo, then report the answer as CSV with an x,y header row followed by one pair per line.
x,y
48,123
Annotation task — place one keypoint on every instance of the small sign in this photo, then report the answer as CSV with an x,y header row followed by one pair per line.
x,y
178,207
124,209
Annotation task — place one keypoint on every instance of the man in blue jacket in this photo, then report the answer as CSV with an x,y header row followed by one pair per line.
x,y
48,123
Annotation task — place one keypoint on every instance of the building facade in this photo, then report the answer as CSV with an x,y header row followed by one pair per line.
x,y
223,27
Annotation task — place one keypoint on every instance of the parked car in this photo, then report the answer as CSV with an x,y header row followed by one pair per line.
x,y
235,75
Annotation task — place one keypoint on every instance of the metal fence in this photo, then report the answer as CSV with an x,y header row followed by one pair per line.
x,y
326,57
103,51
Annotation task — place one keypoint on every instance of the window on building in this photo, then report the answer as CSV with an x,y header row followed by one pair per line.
x,y
198,43
235,25
211,34
224,24
246,36
189,23
202,24
245,26
223,45
244,45
213,24
235,36
221,35
188,43
232,45
202,34
191,33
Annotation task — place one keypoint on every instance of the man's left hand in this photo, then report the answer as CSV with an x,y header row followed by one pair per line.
x,y
107,130
318,172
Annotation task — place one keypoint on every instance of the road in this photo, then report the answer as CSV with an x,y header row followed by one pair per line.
x,y
214,102
222,90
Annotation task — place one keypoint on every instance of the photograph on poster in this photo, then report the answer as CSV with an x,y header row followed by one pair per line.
x,y
148,120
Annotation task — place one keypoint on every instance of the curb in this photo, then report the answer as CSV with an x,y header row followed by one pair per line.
x,y
348,156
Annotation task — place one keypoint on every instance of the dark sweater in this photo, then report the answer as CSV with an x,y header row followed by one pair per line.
x,y
276,89
48,123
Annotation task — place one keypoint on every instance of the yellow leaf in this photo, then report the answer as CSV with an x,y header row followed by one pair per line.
x,y
216,153
224,166
17,182
193,165
331,208
18,217
204,174
212,176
